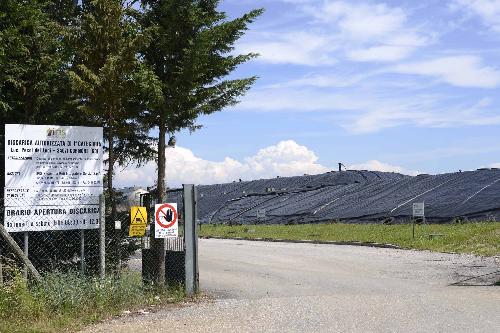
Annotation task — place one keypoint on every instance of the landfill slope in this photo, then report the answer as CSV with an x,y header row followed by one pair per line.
x,y
351,197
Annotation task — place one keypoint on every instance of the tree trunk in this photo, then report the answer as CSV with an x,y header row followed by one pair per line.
x,y
159,244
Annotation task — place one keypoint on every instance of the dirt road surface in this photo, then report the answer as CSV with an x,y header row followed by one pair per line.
x,y
288,287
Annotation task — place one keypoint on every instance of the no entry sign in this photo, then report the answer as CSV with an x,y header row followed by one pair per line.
x,y
166,220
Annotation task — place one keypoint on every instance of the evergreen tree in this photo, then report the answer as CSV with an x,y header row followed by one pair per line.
x,y
191,55
109,78
33,61
34,58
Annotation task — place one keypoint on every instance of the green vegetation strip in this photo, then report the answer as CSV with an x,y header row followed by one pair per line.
x,y
476,238
68,302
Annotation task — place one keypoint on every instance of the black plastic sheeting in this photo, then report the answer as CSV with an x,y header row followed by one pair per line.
x,y
351,197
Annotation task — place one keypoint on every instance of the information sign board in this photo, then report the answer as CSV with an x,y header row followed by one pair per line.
x,y
53,177
418,209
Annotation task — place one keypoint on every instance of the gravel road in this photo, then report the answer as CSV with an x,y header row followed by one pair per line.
x,y
290,287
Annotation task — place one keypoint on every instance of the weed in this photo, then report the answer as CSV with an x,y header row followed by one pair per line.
x,y
69,300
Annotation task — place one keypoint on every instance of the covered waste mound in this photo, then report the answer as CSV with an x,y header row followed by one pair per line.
x,y
351,197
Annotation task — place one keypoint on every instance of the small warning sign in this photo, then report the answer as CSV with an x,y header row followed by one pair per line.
x,y
138,221
166,220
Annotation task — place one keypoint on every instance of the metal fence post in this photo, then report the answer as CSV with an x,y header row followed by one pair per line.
x,y
82,251
26,253
190,239
1,268
102,237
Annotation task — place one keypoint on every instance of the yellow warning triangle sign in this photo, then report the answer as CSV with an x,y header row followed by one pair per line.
x,y
138,221
140,216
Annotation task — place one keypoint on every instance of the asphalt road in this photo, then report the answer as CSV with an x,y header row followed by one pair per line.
x,y
286,287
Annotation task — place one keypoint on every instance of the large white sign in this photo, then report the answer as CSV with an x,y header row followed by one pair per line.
x,y
166,220
53,177
48,156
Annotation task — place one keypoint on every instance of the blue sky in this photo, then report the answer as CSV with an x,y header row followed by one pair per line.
x,y
407,86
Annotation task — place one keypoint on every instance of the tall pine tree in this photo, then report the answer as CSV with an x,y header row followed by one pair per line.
x,y
108,78
191,55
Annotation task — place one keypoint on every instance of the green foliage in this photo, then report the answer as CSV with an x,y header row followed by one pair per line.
x,y
103,63
70,301
33,61
190,53
476,238
109,78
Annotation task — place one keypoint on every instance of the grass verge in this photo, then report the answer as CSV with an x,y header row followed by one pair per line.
x,y
68,302
476,238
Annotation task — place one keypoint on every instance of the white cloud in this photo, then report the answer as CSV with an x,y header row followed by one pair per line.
x,y
376,120
368,110
298,48
287,158
487,10
359,31
379,53
288,99
319,81
375,165
424,113
361,20
495,165
462,71
371,32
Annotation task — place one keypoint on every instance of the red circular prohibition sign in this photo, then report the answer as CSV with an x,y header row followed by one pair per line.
x,y
160,209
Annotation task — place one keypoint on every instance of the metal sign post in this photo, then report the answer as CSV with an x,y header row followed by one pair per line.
x,y
413,228
102,237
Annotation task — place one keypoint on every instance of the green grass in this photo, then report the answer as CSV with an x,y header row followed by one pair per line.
x,y
67,302
476,238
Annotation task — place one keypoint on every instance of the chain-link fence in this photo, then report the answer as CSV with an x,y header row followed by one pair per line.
x,y
140,253
52,241
78,250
